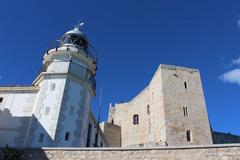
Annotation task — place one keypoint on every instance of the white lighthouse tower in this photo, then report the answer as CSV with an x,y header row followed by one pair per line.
x,y
67,85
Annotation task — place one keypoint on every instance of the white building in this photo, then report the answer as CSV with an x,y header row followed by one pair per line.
x,y
55,110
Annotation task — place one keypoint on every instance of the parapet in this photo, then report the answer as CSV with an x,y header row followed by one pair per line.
x,y
173,67
18,88
209,152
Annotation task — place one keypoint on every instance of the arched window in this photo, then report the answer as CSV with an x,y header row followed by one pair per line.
x,y
135,119
188,133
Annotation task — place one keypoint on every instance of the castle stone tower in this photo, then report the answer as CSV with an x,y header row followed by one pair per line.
x,y
67,86
171,110
185,113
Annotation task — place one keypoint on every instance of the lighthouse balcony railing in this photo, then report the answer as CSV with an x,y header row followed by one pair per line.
x,y
93,82
88,51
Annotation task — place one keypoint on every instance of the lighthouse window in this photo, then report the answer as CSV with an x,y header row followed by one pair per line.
x,y
135,119
66,39
67,135
89,135
53,86
40,138
76,40
47,109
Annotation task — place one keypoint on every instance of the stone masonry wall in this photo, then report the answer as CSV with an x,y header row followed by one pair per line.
x,y
182,88
132,134
211,152
112,134
160,109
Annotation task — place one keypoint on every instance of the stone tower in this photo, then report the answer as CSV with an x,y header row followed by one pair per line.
x,y
171,110
186,119
67,85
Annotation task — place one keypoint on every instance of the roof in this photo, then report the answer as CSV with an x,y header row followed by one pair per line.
x,y
77,32
19,88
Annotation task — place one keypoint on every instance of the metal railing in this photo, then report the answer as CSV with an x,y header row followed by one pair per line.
x,y
55,45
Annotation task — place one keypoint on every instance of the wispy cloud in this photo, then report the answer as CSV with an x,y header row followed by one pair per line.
x,y
238,23
236,61
232,76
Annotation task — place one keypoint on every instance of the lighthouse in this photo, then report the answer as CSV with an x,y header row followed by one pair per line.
x,y
55,111
61,114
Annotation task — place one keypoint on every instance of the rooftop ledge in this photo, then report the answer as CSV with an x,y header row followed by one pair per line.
x,y
174,67
19,88
215,146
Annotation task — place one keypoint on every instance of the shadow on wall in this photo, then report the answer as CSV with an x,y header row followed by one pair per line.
x,y
8,153
17,131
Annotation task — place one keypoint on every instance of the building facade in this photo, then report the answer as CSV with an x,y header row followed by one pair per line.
x,y
55,110
170,111
225,138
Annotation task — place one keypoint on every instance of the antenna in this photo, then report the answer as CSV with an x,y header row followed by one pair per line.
x,y
79,25
99,113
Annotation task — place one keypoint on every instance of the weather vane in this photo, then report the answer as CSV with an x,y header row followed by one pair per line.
x,y
79,25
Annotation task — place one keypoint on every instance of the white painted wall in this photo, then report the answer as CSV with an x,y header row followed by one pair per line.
x,y
72,105
16,109
47,124
58,66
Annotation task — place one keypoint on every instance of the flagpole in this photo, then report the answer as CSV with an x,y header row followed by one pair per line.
x,y
99,114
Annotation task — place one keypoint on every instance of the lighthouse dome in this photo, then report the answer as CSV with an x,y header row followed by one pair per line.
x,y
75,38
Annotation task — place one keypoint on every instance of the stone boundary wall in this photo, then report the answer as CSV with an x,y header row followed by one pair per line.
x,y
211,152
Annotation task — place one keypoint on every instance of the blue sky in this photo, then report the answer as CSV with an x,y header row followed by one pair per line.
x,y
132,38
